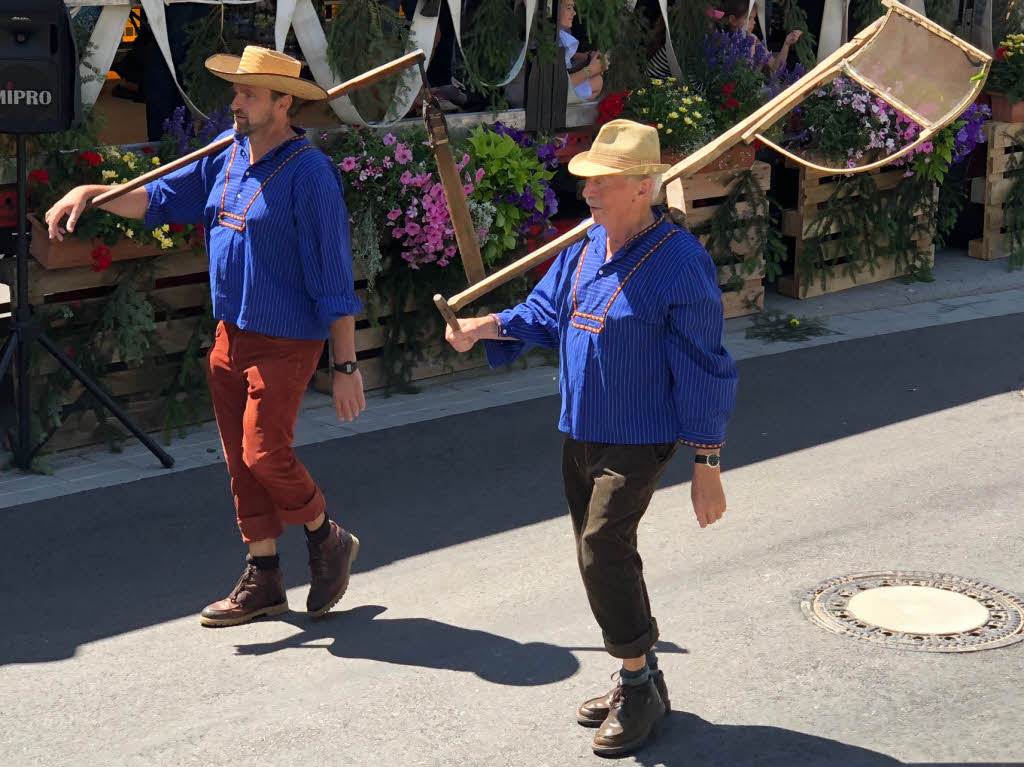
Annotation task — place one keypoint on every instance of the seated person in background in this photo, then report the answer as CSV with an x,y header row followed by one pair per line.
x,y
657,52
585,69
736,18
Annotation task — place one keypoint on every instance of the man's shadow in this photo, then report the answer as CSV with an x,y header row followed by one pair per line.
x,y
684,740
431,644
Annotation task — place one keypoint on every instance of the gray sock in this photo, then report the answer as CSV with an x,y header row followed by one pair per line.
x,y
652,661
635,677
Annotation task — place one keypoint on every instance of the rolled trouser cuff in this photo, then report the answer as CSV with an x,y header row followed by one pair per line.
x,y
636,647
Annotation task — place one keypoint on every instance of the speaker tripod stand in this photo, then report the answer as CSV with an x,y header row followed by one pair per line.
x,y
25,332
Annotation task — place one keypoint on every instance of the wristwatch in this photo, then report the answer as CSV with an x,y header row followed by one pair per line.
x,y
711,459
348,368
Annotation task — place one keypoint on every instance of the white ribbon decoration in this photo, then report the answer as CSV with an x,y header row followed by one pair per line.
x,y
830,36
455,6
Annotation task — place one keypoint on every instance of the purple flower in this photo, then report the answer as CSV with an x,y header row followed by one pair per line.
x,y
389,139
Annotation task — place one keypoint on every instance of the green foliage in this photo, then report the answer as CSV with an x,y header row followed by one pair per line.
x,y
510,169
776,326
214,34
621,32
493,42
362,35
872,227
1007,74
1013,209
863,12
795,18
682,117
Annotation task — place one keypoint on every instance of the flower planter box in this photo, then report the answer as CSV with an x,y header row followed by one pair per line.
x,y
1005,159
1004,111
815,189
73,252
704,194
178,286
735,158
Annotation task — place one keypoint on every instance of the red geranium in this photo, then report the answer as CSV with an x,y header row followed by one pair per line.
x,y
176,228
40,176
92,158
611,106
728,88
1001,53
732,103
148,150
101,259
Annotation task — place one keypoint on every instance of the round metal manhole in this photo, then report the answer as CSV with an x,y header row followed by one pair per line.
x,y
933,612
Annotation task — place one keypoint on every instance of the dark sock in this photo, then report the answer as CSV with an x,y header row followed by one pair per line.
x,y
320,534
266,563
652,661
635,677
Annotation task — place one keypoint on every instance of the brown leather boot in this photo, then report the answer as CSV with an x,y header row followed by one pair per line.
x,y
330,564
633,712
592,713
259,592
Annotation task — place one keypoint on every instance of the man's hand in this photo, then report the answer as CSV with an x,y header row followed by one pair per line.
x,y
707,494
470,331
71,205
792,37
349,400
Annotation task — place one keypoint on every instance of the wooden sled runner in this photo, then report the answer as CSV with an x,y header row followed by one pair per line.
x,y
903,58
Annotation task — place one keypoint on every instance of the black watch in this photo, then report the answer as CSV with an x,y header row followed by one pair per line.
x,y
711,459
348,368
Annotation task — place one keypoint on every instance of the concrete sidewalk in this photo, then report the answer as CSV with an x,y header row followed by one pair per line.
x,y
964,289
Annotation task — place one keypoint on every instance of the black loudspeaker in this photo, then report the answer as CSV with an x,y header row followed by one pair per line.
x,y
40,90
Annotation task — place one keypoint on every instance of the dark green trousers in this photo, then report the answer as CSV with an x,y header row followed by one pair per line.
x,y
608,488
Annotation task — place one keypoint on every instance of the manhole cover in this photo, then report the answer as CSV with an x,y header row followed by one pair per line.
x,y
934,612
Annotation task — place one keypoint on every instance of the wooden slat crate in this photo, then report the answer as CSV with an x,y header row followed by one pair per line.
x,y
1005,161
703,194
815,189
178,287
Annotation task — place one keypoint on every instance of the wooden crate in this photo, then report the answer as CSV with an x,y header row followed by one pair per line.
x,y
815,189
703,194
178,286
1005,161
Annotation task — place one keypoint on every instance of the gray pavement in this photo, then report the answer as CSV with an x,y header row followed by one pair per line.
x,y
465,638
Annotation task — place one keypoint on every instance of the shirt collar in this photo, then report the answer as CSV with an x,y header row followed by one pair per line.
x,y
243,143
597,232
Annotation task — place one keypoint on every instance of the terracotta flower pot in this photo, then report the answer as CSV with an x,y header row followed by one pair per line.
x,y
1004,111
739,156
72,252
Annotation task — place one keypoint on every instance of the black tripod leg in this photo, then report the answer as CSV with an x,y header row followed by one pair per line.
x,y
108,403
7,354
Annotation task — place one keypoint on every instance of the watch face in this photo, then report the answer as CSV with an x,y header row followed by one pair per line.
x,y
712,460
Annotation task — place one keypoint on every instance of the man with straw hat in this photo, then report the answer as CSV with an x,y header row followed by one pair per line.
x,y
281,283
635,311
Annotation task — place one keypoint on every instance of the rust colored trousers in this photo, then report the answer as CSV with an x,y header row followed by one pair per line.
x,y
257,383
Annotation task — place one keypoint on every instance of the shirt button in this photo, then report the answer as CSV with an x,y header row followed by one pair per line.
x,y
504,332
238,197
600,272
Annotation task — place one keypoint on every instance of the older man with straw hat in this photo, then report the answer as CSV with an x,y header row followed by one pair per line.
x,y
635,311
281,283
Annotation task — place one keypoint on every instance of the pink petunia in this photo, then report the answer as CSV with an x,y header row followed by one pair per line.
x,y
449,251
389,139
402,154
713,14
398,232
480,172
412,228
348,164
406,178
393,214
467,189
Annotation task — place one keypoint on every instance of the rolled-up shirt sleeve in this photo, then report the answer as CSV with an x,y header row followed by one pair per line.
x,y
704,376
325,248
535,321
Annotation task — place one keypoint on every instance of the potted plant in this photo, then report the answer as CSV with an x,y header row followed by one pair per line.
x,y
1006,80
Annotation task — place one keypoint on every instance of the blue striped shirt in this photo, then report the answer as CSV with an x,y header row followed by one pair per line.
x,y
640,338
276,234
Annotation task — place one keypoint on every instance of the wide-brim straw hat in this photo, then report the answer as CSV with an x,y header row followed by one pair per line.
x,y
622,148
264,68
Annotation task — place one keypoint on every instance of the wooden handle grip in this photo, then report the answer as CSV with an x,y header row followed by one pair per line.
x,y
446,312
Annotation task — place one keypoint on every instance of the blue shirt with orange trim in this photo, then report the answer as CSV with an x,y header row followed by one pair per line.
x,y
276,233
640,339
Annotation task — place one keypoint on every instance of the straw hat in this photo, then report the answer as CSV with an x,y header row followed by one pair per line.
x,y
264,68
622,148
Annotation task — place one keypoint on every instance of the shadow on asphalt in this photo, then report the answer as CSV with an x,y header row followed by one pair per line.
x,y
361,633
685,740
100,563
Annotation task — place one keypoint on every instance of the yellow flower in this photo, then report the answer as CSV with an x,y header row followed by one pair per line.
x,y
671,79
109,174
644,110
129,232
166,227
686,89
124,181
668,130
656,82
115,154
794,322
156,160
660,126
698,99
641,92
687,101
697,115
673,115
690,122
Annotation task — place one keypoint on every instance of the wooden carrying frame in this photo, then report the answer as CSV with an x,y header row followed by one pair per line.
x,y
897,27
356,83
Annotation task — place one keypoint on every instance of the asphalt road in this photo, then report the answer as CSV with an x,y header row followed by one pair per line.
x,y
465,638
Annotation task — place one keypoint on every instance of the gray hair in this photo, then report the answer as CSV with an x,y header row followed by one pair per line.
x,y
657,191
